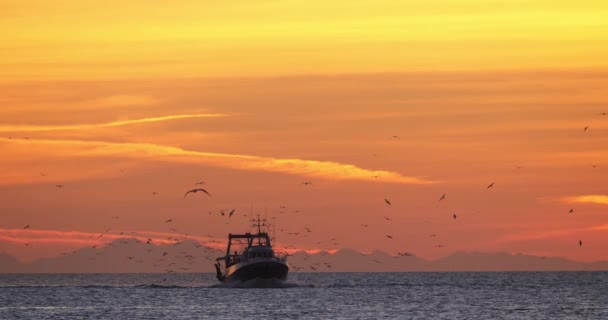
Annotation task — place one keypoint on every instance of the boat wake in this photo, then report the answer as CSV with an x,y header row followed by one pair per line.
x,y
261,283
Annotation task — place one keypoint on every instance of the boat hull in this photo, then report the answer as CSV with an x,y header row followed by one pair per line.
x,y
257,269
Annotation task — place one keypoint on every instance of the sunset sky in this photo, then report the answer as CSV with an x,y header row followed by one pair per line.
x,y
368,100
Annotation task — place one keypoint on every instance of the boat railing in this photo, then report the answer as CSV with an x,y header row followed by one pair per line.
x,y
237,258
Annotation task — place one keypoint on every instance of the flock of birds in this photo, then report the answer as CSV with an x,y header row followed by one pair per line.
x,y
179,238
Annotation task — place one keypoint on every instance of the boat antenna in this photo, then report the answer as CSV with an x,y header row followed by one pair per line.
x,y
274,229
251,217
259,223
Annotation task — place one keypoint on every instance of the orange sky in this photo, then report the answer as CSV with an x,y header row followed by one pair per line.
x,y
119,100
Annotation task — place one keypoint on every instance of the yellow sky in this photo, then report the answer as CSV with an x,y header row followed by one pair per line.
x,y
116,100
139,39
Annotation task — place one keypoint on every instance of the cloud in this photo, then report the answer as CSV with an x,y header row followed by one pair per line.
x,y
547,234
22,236
37,128
84,239
308,168
591,198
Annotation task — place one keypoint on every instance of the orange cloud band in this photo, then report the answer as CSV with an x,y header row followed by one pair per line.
x,y
23,236
82,239
591,198
36,128
309,168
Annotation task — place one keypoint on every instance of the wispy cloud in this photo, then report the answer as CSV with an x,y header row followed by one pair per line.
x,y
22,236
84,239
38,128
547,234
590,198
308,168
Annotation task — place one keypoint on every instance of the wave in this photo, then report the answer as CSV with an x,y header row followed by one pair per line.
x,y
140,286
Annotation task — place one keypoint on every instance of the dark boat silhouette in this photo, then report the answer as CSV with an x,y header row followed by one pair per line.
x,y
257,260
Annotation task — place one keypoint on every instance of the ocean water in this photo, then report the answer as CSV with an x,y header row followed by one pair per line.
x,y
489,295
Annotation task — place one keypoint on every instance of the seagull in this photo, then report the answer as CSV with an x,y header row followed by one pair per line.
x,y
442,196
388,219
454,215
200,182
308,230
115,217
154,192
197,190
307,183
389,236
580,243
165,253
26,227
387,201
518,167
231,213
490,185
364,225
149,241
168,220
59,185
571,211
395,137
587,127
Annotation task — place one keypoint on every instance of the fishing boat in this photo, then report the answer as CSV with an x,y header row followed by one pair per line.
x,y
257,259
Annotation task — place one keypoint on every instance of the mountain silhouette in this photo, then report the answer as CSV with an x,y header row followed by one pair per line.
x,y
131,255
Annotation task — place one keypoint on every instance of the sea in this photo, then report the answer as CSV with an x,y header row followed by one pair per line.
x,y
457,295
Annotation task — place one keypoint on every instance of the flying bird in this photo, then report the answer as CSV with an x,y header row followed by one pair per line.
x,y
454,215
490,185
587,127
231,213
442,196
149,241
200,182
389,236
388,219
168,220
59,185
395,137
308,230
571,211
580,243
26,227
154,192
387,201
307,183
197,190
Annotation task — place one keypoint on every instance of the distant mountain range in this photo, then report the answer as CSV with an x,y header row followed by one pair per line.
x,y
130,255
